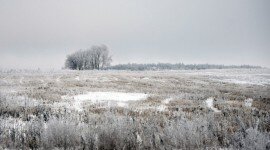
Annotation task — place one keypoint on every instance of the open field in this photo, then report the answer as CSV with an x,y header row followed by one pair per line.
x,y
196,109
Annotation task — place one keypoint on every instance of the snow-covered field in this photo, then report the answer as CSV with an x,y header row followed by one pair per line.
x,y
146,105
237,76
76,89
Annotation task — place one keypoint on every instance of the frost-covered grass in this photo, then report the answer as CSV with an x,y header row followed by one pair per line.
x,y
135,110
237,76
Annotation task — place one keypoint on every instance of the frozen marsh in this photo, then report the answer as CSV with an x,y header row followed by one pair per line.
x,y
197,109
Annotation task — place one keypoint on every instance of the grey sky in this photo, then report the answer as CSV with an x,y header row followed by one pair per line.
x,y
39,33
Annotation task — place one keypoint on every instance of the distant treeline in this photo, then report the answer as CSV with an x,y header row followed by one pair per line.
x,y
178,66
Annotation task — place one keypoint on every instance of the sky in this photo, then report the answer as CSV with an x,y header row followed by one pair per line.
x,y
40,34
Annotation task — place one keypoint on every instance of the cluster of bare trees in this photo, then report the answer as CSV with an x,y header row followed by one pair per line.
x,y
97,57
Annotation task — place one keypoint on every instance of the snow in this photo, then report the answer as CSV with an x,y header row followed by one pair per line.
x,y
209,104
21,80
58,79
111,96
248,102
161,108
138,138
246,80
167,101
122,104
77,78
236,76
119,98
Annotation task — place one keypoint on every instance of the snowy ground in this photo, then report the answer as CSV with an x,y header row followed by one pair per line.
x,y
236,76
151,103
76,89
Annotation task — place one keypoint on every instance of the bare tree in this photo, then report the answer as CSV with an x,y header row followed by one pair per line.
x,y
97,57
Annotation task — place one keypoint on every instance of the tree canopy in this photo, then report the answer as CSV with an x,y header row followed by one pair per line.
x,y
96,57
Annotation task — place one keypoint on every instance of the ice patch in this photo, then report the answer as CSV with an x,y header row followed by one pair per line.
x,y
248,102
77,78
209,104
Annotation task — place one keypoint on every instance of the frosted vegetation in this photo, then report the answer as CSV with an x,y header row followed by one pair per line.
x,y
96,57
188,109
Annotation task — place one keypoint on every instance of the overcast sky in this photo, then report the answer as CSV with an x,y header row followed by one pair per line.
x,y
40,33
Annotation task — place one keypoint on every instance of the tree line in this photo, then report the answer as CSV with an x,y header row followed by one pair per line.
x,y
96,57
178,66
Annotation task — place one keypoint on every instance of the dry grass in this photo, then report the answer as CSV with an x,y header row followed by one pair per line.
x,y
174,116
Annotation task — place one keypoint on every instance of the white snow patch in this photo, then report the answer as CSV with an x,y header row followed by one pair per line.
x,y
138,138
122,104
21,80
111,96
248,102
78,105
65,97
121,99
209,104
167,101
77,78
58,79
